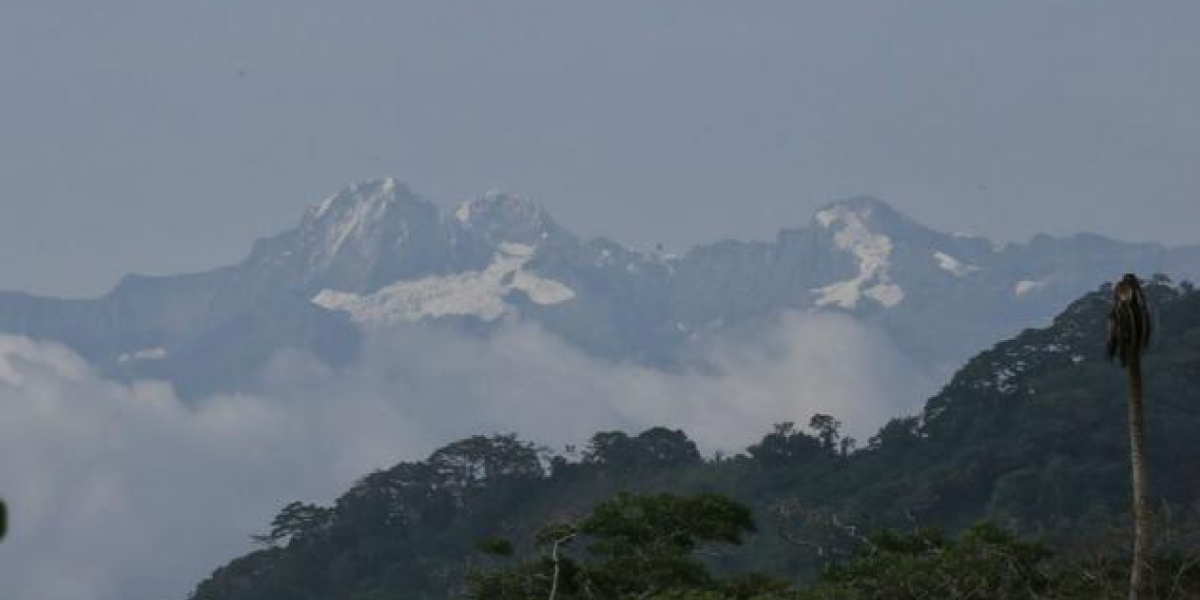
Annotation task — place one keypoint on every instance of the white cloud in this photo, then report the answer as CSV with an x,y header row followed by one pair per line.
x,y
123,491
119,491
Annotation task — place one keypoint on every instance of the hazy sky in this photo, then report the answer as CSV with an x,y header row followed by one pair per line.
x,y
163,137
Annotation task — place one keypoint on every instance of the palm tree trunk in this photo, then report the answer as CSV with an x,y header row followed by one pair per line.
x,y
557,567
1137,458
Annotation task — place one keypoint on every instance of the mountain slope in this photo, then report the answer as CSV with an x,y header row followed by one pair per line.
x,y
375,255
1030,433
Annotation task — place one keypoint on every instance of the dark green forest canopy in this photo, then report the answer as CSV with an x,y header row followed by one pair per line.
x,y
1029,434
599,558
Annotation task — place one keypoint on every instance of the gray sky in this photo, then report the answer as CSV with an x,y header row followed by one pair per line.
x,y
163,137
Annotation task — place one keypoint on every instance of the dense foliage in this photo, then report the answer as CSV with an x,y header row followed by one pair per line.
x,y
1029,435
635,545
983,563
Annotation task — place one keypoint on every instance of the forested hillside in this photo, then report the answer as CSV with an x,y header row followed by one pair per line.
x,y
1030,435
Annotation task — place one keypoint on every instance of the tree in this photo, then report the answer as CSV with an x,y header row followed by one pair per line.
x,y
667,447
828,431
786,445
1128,336
898,434
657,447
636,546
985,562
295,521
479,460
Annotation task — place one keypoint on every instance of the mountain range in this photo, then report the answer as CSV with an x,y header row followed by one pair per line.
x,y
375,255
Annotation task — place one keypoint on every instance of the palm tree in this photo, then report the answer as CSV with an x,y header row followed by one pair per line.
x,y
1128,337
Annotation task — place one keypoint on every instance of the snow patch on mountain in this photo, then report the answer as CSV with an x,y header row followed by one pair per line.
x,y
155,353
874,253
480,294
826,217
1025,286
953,265
463,212
319,209
887,294
361,215
354,217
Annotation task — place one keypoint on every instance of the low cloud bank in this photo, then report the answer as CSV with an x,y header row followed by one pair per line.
x,y
123,491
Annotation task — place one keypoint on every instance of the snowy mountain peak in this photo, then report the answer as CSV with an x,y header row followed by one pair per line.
x,y
864,209
363,197
365,236
503,217
496,203
359,215
851,222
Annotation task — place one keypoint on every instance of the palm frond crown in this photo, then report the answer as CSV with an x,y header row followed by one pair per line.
x,y
1128,320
